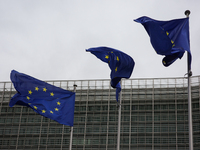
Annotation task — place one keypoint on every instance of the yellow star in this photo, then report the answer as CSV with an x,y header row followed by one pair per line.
x,y
172,43
107,56
164,62
56,109
36,88
116,69
27,97
29,103
35,107
51,112
30,92
44,89
117,58
52,94
167,33
43,111
58,103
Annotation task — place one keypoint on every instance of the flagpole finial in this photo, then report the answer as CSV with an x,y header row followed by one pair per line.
x,y
187,13
75,87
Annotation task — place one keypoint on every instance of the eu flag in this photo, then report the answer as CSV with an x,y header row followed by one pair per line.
x,y
121,64
169,38
45,99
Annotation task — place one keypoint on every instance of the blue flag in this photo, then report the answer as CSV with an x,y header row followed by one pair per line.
x,y
169,38
121,64
45,99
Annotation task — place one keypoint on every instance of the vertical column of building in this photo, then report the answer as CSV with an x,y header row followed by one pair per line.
x,y
130,116
84,140
145,115
196,116
47,134
137,124
176,114
10,96
199,102
40,132
153,115
108,112
3,92
180,111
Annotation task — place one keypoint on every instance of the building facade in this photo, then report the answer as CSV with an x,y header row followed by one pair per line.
x,y
154,117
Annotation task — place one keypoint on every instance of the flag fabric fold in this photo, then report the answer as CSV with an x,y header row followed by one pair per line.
x,y
121,64
169,38
45,99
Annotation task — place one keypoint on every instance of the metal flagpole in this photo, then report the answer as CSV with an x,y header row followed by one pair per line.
x,y
119,120
187,13
71,136
71,128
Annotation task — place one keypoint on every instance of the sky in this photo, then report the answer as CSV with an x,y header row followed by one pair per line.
x,y
48,39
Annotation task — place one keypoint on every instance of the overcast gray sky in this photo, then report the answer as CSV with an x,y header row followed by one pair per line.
x,y
47,39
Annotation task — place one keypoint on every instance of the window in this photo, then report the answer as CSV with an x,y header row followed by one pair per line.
x,y
4,109
133,140
133,118
164,117
156,118
157,128
148,140
112,129
20,142
126,118
133,129
134,107
148,118
157,107
172,140
112,118
157,140
164,129
141,128
172,106
2,120
12,142
125,140
9,120
148,129
126,129
141,140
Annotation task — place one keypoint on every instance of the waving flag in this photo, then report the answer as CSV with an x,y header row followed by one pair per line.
x,y
169,38
121,64
45,99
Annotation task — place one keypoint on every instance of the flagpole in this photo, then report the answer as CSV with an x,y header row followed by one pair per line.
x,y
71,128
187,13
119,120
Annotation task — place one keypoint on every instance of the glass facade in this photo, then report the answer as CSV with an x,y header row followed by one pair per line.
x,y
154,117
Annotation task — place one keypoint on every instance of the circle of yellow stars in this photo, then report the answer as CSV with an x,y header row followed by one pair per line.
x,y
35,107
